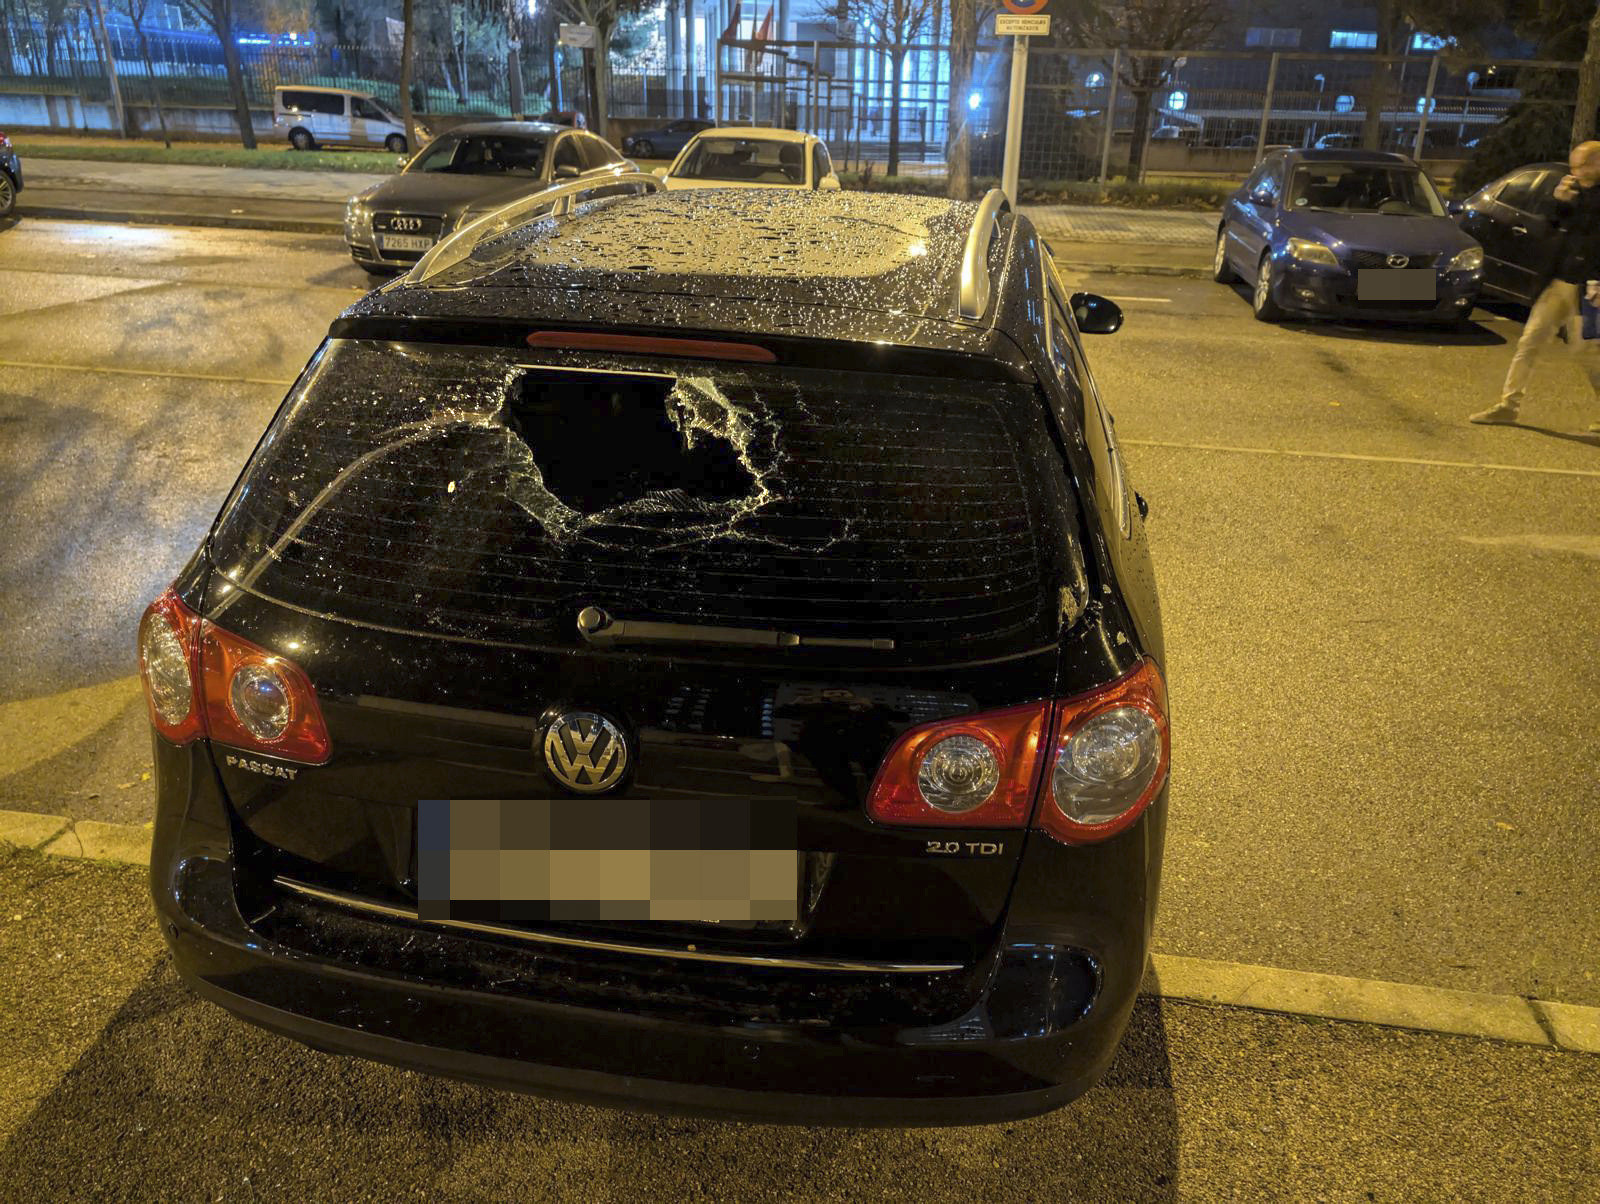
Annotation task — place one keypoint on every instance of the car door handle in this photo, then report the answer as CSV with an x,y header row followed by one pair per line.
x,y
1519,229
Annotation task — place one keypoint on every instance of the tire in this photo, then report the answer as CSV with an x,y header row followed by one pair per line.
x,y
8,194
1266,309
395,144
643,148
1221,271
301,139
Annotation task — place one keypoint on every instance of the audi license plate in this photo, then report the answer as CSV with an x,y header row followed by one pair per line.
x,y
1397,284
403,242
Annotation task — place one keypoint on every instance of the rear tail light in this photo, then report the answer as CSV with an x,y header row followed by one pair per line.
x,y
201,680
167,667
1106,758
979,771
1109,758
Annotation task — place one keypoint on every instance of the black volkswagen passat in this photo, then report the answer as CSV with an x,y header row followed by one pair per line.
x,y
694,652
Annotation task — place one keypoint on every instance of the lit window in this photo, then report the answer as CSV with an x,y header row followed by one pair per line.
x,y
1345,104
1427,41
1351,39
1095,79
1178,101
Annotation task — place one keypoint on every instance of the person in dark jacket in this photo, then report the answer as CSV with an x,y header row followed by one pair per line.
x,y
1574,260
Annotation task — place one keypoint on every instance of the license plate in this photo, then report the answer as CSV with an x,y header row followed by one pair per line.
x,y
403,242
527,861
1397,284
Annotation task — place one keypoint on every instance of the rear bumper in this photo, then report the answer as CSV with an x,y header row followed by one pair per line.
x,y
959,1072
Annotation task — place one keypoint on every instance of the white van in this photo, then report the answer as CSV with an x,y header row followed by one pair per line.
x,y
312,117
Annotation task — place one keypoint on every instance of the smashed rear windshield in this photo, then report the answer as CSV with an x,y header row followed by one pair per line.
x,y
490,495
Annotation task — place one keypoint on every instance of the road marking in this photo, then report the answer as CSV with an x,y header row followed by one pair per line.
x,y
1511,1018
35,729
1324,455
227,380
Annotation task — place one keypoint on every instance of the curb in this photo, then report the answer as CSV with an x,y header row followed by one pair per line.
x,y
1512,1019
144,217
1134,269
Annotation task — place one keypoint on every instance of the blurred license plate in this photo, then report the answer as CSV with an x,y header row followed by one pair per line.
x,y
528,861
1397,284
404,242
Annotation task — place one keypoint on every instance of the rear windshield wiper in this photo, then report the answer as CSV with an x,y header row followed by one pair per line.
x,y
600,629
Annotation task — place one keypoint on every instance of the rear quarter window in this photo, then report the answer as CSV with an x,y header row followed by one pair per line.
x,y
478,494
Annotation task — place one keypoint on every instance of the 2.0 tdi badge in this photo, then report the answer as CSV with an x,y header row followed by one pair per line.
x,y
586,752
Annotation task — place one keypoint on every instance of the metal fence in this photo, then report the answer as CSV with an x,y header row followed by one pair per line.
x,y
1094,115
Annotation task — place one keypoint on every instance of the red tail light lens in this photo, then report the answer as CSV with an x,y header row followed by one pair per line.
x,y
200,680
1110,753
978,771
255,699
167,668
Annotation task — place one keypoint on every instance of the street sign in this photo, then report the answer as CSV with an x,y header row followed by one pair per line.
x,y
1025,6
584,37
1020,26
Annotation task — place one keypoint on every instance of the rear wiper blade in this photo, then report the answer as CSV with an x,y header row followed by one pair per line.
x,y
600,629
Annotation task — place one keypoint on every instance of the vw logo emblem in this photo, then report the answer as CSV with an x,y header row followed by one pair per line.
x,y
586,752
1397,261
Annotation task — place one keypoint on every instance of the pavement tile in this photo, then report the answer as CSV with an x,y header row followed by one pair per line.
x,y
25,829
1575,1027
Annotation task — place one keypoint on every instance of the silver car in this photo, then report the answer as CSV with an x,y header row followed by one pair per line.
x,y
462,175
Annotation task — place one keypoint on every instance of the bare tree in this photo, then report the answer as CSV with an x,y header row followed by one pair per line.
x,y
136,10
408,48
966,18
890,26
1142,25
1583,121
219,15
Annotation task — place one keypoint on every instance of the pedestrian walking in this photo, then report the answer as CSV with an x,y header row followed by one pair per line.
x,y
1572,259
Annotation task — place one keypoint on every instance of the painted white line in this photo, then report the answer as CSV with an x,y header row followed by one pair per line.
x,y
1354,456
96,368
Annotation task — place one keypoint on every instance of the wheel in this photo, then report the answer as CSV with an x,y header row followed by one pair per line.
x,y
1266,309
8,194
1221,271
644,148
395,144
301,139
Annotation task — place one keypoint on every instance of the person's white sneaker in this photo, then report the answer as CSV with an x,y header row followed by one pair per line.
x,y
1501,413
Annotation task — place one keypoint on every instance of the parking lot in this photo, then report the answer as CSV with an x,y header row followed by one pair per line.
x,y
1383,662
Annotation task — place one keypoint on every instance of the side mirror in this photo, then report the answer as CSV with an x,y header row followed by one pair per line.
x,y
1455,208
828,183
660,172
1261,197
568,172
1096,314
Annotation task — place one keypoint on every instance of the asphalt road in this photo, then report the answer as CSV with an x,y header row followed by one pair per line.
x,y
1382,636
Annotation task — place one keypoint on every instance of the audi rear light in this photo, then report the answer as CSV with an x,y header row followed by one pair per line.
x,y
200,680
167,668
978,771
257,700
1110,753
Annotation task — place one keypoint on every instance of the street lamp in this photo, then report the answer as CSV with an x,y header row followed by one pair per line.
x,y
1316,126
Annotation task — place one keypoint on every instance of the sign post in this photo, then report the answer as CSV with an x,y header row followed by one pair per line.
x,y
1021,20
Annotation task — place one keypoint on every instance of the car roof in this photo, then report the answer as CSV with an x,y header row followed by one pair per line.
x,y
787,263
320,88
760,133
546,128
1351,156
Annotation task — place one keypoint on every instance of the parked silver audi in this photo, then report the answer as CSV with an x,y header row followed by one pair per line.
x,y
461,175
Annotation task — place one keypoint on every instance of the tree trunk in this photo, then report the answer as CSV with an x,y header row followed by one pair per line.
x,y
222,16
1143,96
897,60
963,49
514,61
1378,87
408,45
1583,120
155,88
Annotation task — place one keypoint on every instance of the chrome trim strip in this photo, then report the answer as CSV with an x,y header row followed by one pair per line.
x,y
974,291
370,907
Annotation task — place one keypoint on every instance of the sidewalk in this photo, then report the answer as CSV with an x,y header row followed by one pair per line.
x,y
1084,238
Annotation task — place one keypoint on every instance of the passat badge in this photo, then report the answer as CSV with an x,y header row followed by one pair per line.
x,y
586,752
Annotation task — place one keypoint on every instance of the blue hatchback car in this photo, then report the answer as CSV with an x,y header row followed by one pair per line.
x,y
1352,234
